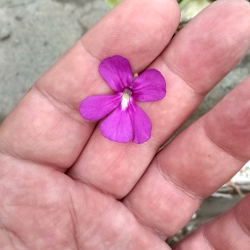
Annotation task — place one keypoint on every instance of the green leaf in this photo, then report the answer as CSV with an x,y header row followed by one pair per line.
x,y
112,3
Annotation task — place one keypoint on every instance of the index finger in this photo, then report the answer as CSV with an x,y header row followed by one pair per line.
x,y
46,126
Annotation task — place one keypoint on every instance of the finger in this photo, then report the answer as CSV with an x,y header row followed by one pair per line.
x,y
46,126
199,48
229,231
194,165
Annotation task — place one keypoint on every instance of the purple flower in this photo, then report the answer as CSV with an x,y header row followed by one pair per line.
x,y
127,121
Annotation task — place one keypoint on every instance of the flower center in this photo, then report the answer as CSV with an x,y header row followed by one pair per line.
x,y
125,98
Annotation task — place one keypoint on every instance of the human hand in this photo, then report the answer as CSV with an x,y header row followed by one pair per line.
x,y
64,186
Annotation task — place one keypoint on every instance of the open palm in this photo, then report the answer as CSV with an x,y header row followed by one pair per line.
x,y
64,186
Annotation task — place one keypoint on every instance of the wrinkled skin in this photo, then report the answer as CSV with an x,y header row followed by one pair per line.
x,y
64,186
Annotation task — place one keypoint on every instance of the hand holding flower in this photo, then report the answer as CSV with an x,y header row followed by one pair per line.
x,y
64,186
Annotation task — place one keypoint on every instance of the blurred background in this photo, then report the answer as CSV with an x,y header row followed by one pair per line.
x,y
35,33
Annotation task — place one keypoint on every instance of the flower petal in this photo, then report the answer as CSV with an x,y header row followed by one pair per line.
x,y
94,108
117,126
149,86
141,124
117,73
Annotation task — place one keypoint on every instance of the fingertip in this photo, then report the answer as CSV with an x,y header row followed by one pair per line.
x,y
136,29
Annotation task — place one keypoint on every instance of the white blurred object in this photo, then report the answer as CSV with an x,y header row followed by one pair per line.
x,y
243,176
190,8
240,183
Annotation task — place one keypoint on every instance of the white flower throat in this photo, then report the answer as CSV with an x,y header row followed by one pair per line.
x,y
126,95
126,98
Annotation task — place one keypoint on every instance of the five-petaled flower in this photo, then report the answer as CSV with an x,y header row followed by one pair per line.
x,y
126,121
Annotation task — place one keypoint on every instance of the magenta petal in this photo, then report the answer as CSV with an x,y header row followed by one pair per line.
x,y
117,126
117,73
141,124
94,108
149,86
